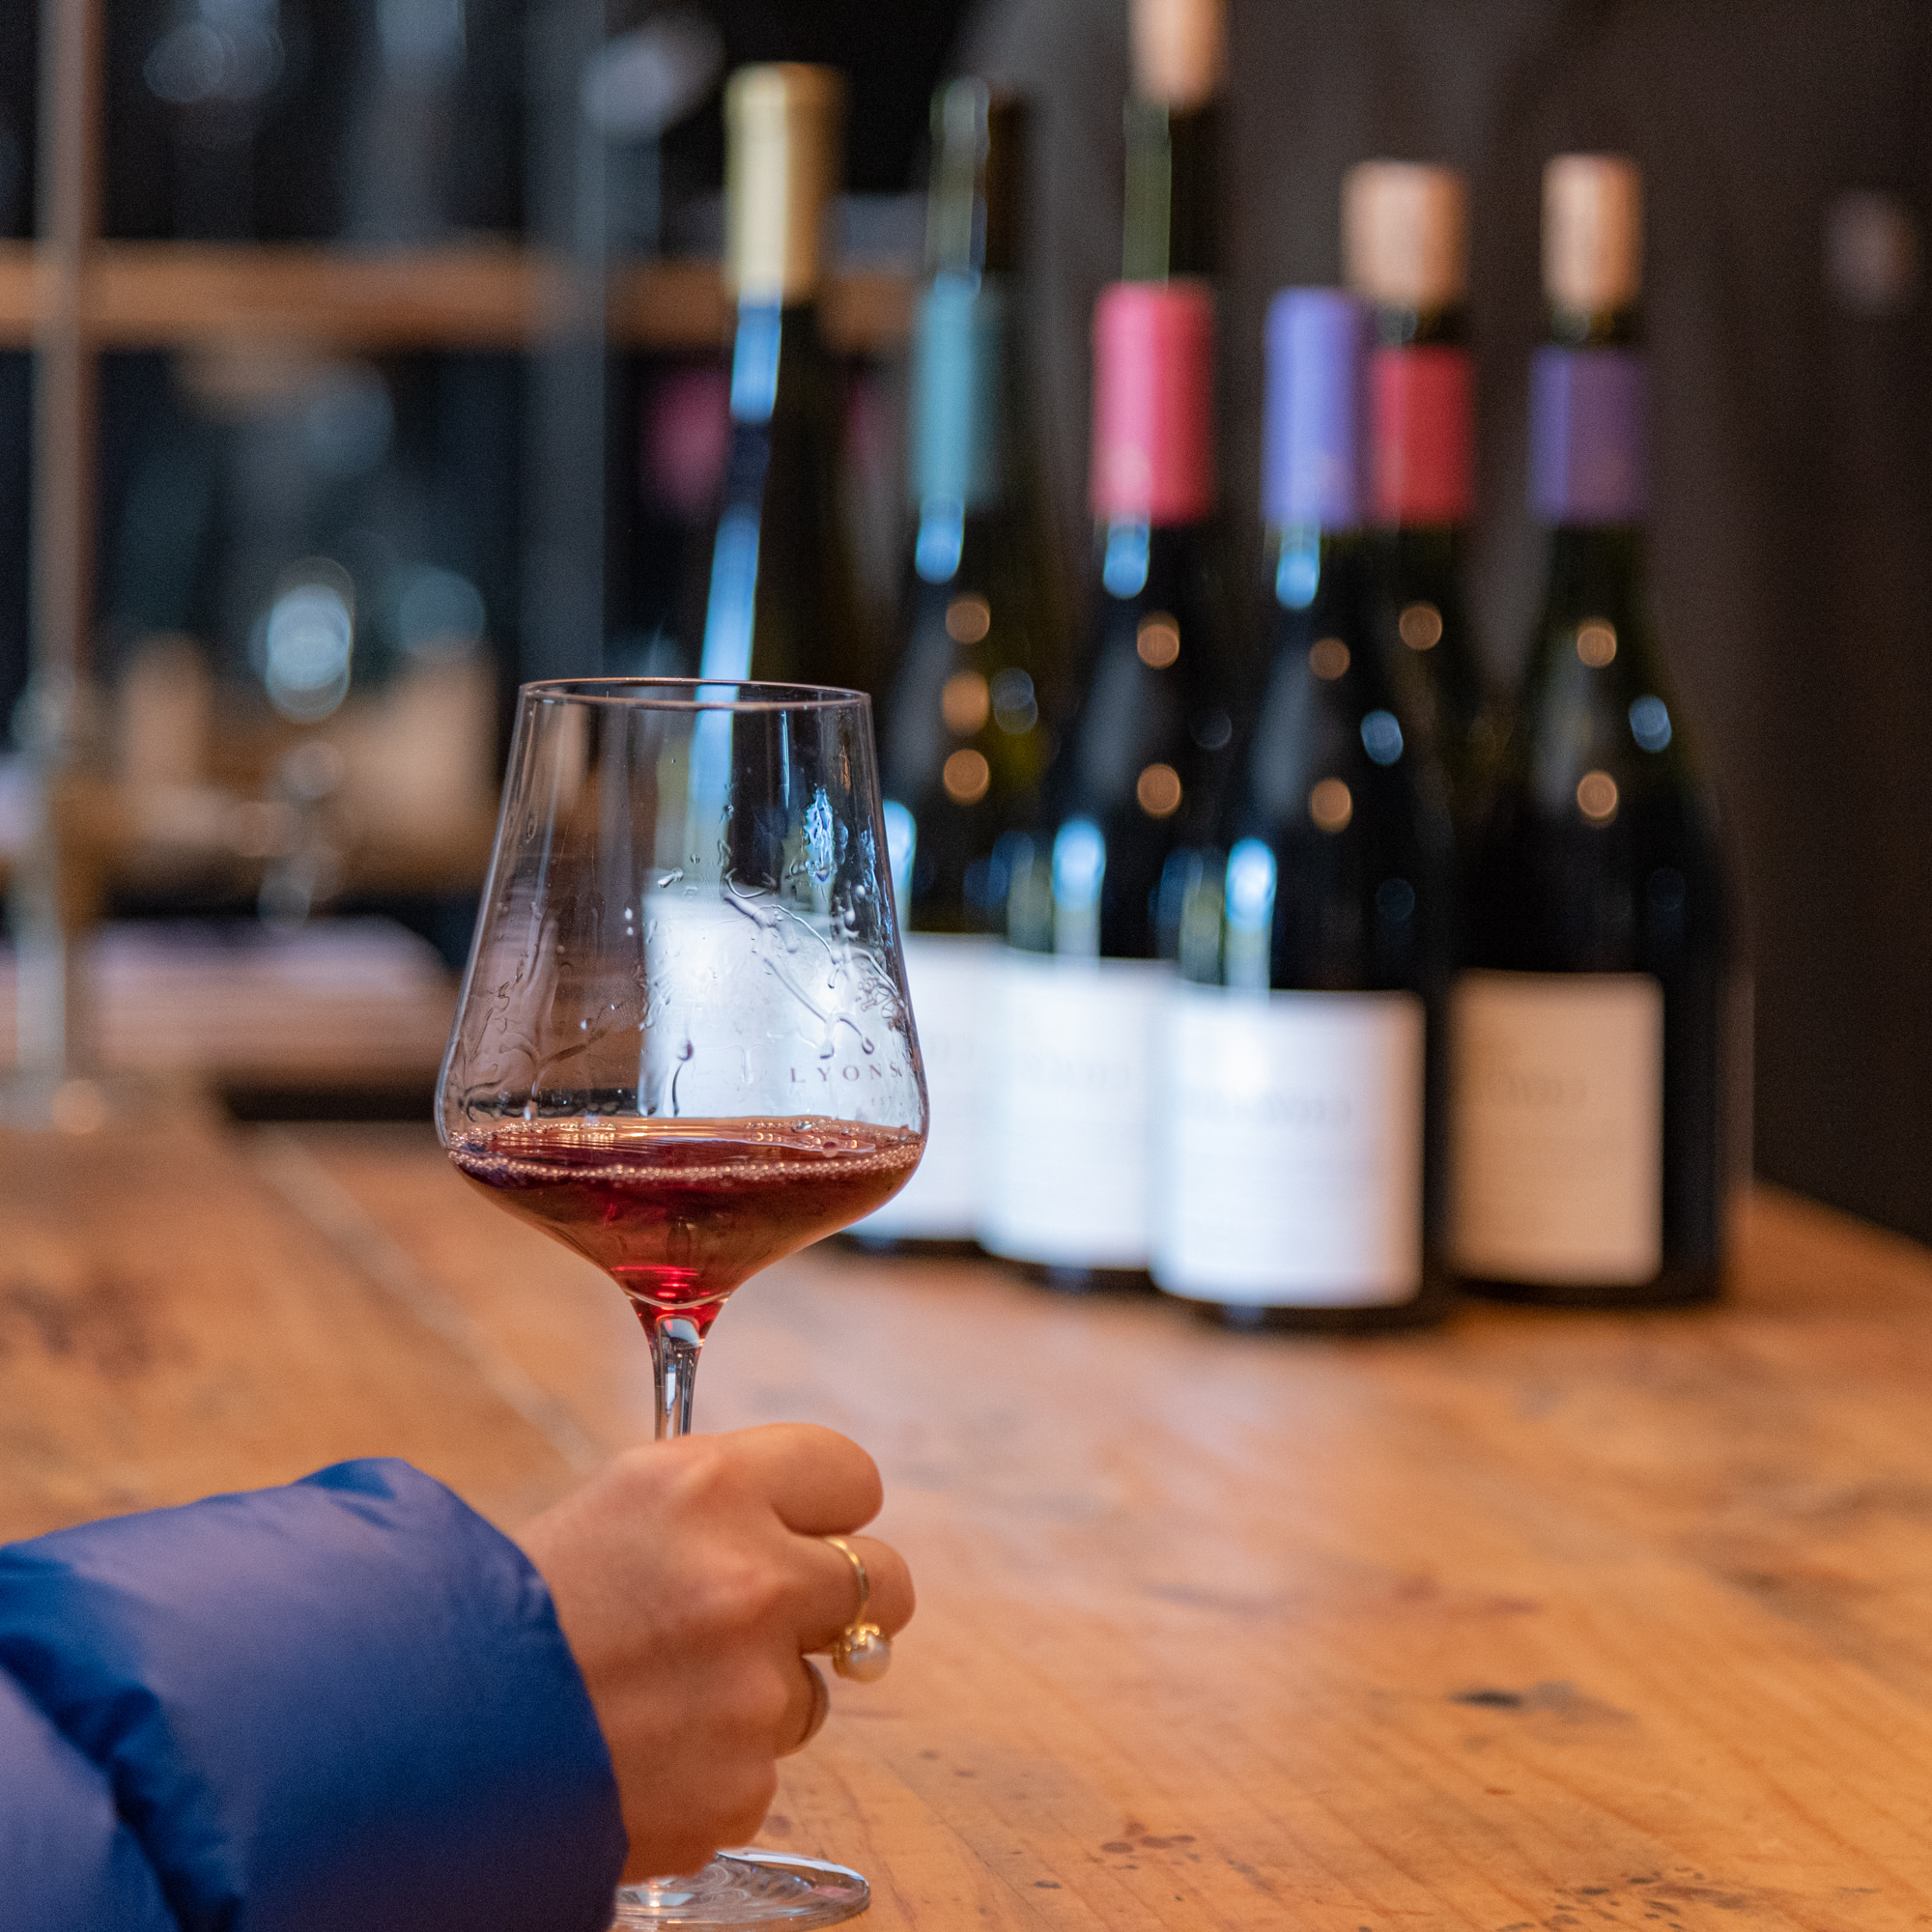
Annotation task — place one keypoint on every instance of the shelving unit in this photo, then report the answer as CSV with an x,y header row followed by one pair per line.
x,y
75,296
179,295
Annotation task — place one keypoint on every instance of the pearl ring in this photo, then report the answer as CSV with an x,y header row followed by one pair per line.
x,y
864,1652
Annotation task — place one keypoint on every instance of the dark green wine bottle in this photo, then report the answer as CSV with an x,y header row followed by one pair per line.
x,y
1590,1026
1298,1143
1092,885
982,667
1404,249
780,601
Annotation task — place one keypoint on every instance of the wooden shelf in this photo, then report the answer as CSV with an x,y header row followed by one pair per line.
x,y
142,295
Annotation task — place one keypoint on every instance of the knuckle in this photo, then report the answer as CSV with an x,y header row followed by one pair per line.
x,y
639,1471
740,1598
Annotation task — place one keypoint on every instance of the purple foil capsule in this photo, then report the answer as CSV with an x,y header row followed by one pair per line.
x,y
1314,417
1586,437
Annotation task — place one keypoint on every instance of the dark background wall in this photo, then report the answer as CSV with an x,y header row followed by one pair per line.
x,y
1793,544
1792,558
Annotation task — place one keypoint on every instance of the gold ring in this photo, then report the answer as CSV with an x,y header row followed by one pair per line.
x,y
821,1707
864,1652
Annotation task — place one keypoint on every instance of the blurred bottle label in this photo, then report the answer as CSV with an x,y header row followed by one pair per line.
x,y
1558,1128
1420,406
946,978
1586,439
955,378
1153,403
1290,1148
1069,1070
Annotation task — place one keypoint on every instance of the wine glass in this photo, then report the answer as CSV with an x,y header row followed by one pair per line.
x,y
684,1048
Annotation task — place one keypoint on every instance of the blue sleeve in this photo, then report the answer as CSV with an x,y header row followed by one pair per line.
x,y
342,1706
67,1862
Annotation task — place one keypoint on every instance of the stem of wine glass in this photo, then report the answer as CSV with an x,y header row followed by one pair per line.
x,y
674,1344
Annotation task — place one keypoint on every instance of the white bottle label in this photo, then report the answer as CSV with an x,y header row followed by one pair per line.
x,y
1557,1129
1290,1148
1068,1065
946,978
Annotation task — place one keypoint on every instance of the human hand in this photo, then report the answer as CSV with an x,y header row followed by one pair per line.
x,y
690,1583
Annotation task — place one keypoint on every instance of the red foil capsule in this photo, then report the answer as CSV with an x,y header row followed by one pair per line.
x,y
1420,406
1153,403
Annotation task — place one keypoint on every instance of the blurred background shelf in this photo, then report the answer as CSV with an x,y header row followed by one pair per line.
x,y
346,1015
176,294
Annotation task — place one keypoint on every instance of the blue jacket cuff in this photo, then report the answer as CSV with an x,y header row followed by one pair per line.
x,y
344,1704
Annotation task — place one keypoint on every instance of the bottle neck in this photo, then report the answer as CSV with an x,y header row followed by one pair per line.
x,y
1173,192
1595,328
1595,570
1137,558
773,346
1428,552
977,198
964,397
1322,568
1396,326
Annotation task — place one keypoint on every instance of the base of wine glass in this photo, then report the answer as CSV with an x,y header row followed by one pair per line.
x,y
747,1888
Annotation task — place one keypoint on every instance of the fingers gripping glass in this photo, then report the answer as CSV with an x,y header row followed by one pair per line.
x,y
683,1047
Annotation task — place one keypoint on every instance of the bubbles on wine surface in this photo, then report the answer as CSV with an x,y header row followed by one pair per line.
x,y
678,1212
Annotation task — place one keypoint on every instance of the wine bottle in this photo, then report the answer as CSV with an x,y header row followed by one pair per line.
x,y
1297,1167
1405,248
1587,1136
1173,125
981,662
1094,891
781,602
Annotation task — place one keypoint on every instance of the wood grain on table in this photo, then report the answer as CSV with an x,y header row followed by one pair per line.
x,y
1540,1621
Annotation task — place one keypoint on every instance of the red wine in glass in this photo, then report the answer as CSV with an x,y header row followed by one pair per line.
x,y
679,1213
684,1048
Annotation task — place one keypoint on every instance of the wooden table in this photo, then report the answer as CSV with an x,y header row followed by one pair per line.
x,y
1542,1621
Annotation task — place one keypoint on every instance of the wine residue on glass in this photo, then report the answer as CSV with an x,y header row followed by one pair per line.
x,y
678,1212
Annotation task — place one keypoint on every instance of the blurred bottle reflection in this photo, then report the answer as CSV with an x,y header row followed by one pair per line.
x,y
302,556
